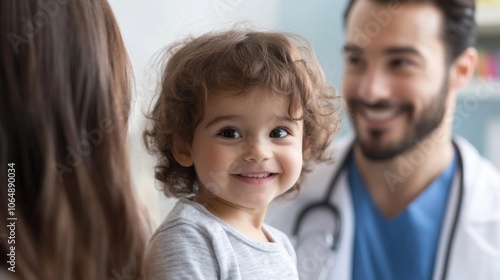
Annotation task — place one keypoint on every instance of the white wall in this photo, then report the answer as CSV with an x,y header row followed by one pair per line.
x,y
150,25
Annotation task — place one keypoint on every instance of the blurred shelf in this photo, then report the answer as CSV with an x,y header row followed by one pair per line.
x,y
488,18
481,89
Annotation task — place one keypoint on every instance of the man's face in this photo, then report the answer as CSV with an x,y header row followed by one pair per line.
x,y
395,79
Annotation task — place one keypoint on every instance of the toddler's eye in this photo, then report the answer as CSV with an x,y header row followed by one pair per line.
x,y
229,132
278,133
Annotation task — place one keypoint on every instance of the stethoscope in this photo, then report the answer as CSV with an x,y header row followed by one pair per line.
x,y
332,240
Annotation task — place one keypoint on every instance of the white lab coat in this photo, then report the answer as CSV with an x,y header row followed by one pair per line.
x,y
475,251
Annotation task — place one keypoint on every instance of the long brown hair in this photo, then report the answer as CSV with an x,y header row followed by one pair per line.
x,y
65,95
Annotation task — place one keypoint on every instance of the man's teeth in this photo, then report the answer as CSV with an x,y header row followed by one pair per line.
x,y
263,175
380,114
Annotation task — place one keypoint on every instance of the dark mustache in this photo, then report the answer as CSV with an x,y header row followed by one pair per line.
x,y
382,104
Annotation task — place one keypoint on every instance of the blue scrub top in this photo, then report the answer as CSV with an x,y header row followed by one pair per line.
x,y
404,247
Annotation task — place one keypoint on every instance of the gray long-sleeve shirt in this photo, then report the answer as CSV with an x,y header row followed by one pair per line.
x,y
192,243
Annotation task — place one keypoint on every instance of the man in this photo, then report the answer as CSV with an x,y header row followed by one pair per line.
x,y
413,202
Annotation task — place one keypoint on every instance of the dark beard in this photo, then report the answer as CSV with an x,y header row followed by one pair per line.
x,y
427,122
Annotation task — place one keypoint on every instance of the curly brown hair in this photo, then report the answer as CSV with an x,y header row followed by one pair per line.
x,y
239,61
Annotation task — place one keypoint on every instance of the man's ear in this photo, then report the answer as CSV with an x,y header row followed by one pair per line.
x,y
182,153
462,69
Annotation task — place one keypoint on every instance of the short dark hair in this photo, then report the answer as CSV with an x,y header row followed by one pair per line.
x,y
459,30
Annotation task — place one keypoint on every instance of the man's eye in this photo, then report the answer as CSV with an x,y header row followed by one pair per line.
x,y
400,62
278,133
353,60
354,63
229,132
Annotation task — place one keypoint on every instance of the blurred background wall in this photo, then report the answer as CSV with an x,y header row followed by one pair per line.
x,y
150,25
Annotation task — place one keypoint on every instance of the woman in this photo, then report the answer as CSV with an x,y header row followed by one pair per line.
x,y
65,94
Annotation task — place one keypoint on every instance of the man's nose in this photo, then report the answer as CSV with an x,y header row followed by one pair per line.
x,y
374,86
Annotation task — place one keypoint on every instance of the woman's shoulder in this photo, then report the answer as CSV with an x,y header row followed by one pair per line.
x,y
7,275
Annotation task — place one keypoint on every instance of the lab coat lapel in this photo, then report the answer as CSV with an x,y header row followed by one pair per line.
x,y
342,198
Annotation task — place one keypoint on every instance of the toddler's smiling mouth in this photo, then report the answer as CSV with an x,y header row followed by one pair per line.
x,y
255,175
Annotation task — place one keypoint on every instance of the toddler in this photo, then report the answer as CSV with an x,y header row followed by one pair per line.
x,y
239,116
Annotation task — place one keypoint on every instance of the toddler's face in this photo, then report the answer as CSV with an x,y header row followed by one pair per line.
x,y
247,150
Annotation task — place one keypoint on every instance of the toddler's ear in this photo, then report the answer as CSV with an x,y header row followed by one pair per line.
x,y
182,153
305,144
306,152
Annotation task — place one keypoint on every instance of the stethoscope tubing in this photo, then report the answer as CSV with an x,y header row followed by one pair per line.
x,y
333,209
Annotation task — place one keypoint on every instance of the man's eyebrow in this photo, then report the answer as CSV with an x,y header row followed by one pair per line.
x,y
222,118
350,48
402,50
